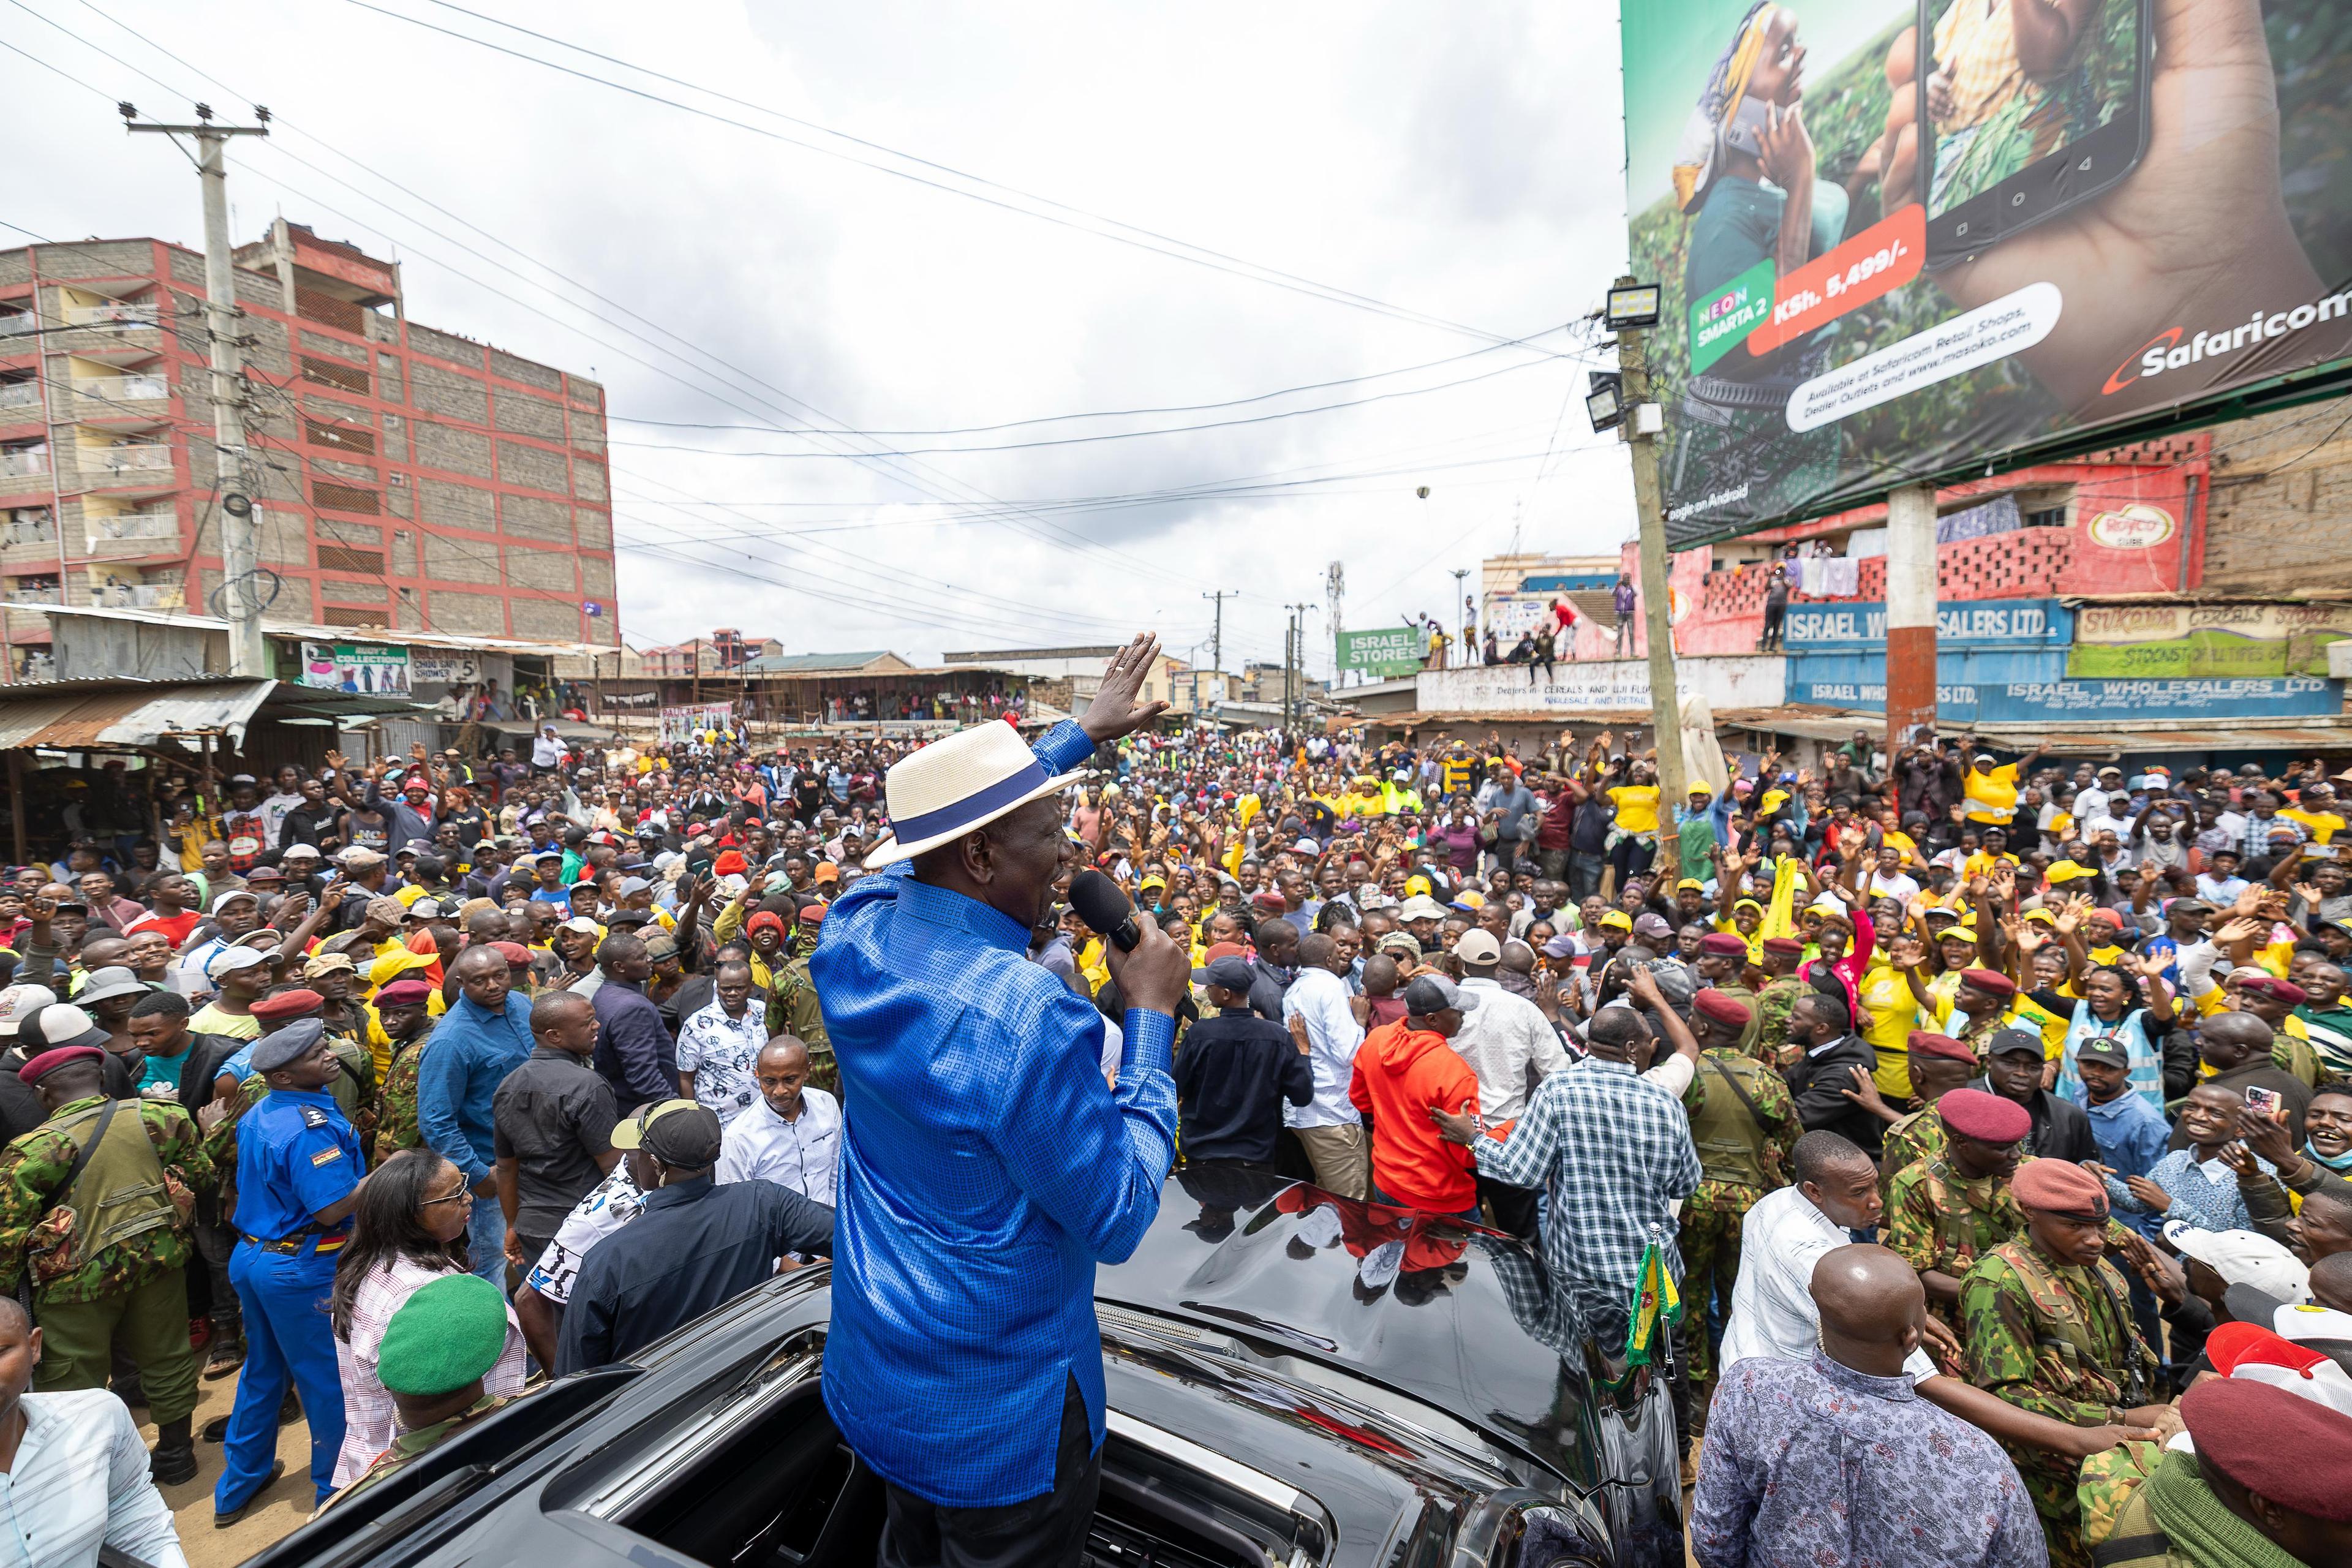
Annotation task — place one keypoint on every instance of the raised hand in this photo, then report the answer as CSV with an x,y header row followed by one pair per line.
x,y
1115,711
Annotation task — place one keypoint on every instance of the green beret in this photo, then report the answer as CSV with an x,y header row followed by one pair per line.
x,y
446,1335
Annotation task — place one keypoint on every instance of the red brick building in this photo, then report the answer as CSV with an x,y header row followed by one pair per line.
x,y
406,478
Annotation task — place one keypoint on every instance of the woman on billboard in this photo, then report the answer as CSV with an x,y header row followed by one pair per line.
x,y
1745,175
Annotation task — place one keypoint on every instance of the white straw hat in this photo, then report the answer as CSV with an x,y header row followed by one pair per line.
x,y
952,786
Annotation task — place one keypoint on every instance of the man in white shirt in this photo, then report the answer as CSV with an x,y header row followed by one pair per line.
x,y
1511,1046
77,1470
1319,1013
793,1136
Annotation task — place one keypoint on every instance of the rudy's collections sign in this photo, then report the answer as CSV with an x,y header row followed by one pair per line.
x,y
373,668
1917,237
1389,652
2189,641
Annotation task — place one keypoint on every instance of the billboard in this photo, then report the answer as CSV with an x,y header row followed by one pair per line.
x,y
1384,654
1901,240
371,667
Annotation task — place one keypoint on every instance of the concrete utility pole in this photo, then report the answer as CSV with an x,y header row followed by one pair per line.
x,y
248,653
1217,632
1910,614
1657,622
1335,588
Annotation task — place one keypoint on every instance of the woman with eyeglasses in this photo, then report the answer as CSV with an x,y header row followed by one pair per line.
x,y
409,1229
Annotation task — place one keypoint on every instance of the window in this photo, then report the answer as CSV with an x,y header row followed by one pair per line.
x,y
327,373
341,437
346,498
2047,517
339,558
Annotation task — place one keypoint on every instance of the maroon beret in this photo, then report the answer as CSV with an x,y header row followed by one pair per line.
x,y
2277,990
1938,1044
1723,944
1991,982
2056,1186
512,951
1723,1009
287,1005
47,1061
2294,1451
1786,946
403,994
1987,1118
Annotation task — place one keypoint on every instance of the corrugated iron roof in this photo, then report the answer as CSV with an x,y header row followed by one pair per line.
x,y
75,715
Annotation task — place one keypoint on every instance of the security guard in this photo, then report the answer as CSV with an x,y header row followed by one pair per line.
x,y
1744,1125
1947,1209
96,1205
298,1172
2047,1324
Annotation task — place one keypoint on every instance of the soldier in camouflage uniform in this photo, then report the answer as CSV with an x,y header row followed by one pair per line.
x,y
1744,1124
1938,1065
401,1006
1783,991
2108,1481
98,1205
1948,1211
2047,1324
793,1010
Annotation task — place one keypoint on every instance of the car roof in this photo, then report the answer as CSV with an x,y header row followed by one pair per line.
x,y
1457,1316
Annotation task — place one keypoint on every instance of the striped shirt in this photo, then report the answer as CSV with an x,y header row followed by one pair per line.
x,y
81,1482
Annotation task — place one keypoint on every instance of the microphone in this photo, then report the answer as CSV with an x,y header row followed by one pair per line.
x,y
1105,909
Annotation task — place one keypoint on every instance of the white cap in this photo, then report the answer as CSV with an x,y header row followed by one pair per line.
x,y
17,1002
2243,1257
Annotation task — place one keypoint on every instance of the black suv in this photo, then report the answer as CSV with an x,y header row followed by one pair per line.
x,y
1296,1380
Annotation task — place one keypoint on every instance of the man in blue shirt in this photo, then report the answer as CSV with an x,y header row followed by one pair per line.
x,y
987,1168
298,1172
485,1036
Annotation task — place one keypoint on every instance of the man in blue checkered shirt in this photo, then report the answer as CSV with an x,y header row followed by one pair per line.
x,y
986,1166
1612,1150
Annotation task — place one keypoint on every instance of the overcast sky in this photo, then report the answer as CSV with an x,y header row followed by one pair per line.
x,y
1460,165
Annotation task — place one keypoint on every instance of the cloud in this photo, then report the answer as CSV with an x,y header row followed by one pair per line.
x,y
1461,164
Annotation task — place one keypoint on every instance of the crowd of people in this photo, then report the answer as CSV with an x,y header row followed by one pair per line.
x,y
1997,1115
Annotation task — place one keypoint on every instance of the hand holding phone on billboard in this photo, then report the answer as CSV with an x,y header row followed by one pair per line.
x,y
2193,236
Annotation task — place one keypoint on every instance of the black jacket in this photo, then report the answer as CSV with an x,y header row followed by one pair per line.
x,y
1818,1082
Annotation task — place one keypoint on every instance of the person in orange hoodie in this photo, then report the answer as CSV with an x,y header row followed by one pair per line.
x,y
1402,1069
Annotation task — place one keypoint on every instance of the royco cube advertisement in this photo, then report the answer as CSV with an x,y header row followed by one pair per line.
x,y
1900,239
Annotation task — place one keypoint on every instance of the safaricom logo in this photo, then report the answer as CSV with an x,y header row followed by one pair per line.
x,y
2166,350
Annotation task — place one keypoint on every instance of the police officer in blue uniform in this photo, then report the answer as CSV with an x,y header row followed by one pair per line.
x,y
298,1172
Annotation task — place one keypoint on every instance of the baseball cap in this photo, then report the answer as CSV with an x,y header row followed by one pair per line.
x,y
59,1025
2243,1257
1431,994
1478,948
1616,920
230,960
2007,1042
18,1002
304,852
582,924
2104,1048
678,1132
1232,973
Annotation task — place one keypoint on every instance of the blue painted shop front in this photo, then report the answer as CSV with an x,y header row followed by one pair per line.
x,y
2004,661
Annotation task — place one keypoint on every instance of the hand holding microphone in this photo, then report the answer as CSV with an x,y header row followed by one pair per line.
x,y
1154,971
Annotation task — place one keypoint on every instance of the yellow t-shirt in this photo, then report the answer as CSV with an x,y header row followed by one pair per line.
x,y
1637,807
210,1020
1981,864
2324,824
1992,794
1894,1013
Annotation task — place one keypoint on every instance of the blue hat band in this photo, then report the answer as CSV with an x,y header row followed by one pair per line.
x,y
968,811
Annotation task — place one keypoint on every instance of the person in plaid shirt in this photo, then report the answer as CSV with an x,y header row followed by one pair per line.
x,y
1613,1152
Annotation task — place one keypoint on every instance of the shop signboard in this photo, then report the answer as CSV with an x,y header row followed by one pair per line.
x,y
1384,654
2180,641
375,670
